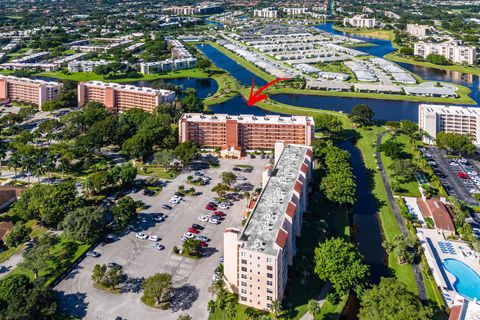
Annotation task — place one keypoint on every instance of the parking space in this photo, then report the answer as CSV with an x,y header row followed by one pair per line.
x,y
458,176
140,259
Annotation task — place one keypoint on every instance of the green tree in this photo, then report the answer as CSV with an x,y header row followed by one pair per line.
x,y
339,262
230,310
185,316
211,306
11,285
455,143
228,178
276,308
437,59
221,189
392,148
84,224
163,158
38,258
362,115
204,63
339,187
406,51
124,212
191,247
18,235
158,287
328,124
404,169
391,299
404,248
98,274
408,127
186,152
313,307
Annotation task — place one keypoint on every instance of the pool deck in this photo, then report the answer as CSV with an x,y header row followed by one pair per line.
x,y
437,249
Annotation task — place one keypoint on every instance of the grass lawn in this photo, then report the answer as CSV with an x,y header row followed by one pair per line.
x,y
364,32
409,189
389,224
156,171
65,253
394,56
227,89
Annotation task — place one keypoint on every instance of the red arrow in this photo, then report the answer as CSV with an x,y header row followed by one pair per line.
x,y
257,96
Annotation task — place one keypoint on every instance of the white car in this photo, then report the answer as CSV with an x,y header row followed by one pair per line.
x,y
241,178
223,206
174,201
213,221
189,235
141,235
158,246
153,238
472,173
203,218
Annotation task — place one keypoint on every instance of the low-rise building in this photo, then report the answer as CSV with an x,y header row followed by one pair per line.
x,y
118,97
270,13
256,258
433,119
167,65
28,90
294,11
439,213
85,66
360,21
234,134
452,50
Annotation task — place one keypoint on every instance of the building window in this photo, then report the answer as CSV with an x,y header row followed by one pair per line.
x,y
269,268
269,290
244,269
269,283
269,305
244,291
269,275
244,261
244,276
243,298
269,298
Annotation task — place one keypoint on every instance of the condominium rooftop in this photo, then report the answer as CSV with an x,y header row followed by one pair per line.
x,y
450,110
247,118
28,80
126,87
264,223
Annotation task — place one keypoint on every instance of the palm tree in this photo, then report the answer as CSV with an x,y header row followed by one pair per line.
x,y
276,308
3,154
14,162
211,307
313,307
246,195
222,301
230,310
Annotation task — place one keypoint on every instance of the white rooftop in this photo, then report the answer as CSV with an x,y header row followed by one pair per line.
x,y
247,118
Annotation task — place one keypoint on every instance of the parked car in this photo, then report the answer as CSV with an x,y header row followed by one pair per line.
x,y
153,238
166,207
198,173
462,175
223,206
189,235
217,217
202,238
203,244
174,201
158,246
219,213
114,265
197,226
241,178
158,218
236,169
94,254
141,235
210,207
203,218
193,230
213,221
221,259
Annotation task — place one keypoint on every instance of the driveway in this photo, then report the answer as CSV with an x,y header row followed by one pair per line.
x,y
191,278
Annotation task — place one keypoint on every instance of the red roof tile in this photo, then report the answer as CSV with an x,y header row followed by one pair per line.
x,y
298,187
439,212
281,240
455,313
309,153
304,168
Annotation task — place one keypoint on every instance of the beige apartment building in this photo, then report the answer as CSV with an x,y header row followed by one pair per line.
x,y
360,21
456,119
119,97
270,13
256,258
418,31
452,50
28,90
237,134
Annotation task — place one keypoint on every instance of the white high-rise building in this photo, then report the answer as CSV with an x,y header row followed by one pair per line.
x,y
455,119
360,21
266,13
452,50
418,31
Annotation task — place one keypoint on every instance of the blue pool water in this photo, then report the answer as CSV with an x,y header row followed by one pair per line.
x,y
467,281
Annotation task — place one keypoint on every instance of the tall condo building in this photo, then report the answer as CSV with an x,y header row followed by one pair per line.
x,y
266,13
234,134
452,50
119,97
419,31
456,119
256,259
360,21
28,90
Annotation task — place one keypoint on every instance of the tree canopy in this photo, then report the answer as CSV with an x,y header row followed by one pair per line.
x,y
85,224
362,115
455,143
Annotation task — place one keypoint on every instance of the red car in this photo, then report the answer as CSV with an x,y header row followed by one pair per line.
x,y
203,244
462,175
219,213
193,230
210,207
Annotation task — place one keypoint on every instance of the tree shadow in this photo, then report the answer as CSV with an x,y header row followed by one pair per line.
x,y
72,304
132,284
183,297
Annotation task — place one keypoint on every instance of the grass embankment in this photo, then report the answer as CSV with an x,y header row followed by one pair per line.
x,y
409,189
155,171
367,32
227,89
367,146
395,56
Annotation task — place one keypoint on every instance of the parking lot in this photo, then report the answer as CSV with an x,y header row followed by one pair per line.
x,y
460,177
191,277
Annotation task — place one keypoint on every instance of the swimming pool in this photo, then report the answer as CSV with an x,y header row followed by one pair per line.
x,y
467,280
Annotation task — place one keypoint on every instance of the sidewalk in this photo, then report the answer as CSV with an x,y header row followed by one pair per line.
x,y
321,300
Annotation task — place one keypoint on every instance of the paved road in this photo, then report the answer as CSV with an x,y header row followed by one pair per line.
x,y
422,293
322,297
7,266
191,278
